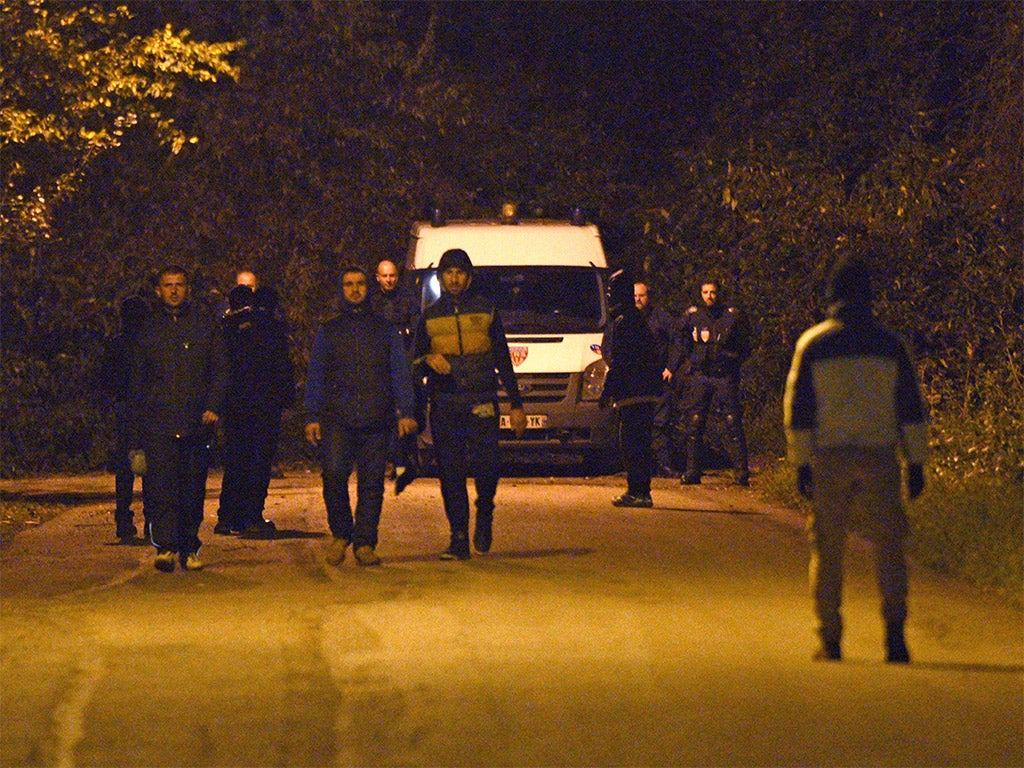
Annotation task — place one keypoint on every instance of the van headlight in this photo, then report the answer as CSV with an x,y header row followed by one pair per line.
x,y
593,380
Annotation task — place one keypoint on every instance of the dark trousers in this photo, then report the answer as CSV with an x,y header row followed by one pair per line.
x,y
249,446
635,423
343,449
662,437
701,393
175,491
466,444
124,478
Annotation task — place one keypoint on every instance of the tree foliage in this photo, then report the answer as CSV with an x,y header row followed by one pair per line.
x,y
73,83
757,140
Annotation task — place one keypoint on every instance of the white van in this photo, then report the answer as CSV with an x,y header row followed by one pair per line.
x,y
547,279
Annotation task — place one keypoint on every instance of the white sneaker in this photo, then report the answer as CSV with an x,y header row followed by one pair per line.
x,y
192,562
165,560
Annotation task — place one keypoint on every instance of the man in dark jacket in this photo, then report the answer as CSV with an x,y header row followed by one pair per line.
x,y
359,383
261,385
634,384
115,380
179,378
400,307
666,338
716,342
852,411
459,345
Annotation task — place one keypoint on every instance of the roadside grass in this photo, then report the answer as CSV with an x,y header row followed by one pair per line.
x,y
973,530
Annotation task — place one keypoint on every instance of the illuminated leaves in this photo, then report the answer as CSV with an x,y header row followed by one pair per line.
x,y
73,82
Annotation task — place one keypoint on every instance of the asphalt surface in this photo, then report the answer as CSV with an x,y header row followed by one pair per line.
x,y
589,636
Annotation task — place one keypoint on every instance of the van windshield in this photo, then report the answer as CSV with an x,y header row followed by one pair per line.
x,y
538,299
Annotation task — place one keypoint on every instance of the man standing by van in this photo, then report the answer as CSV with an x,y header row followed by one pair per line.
x,y
459,345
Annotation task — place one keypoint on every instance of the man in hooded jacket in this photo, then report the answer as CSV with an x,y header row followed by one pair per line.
x,y
852,410
359,383
461,350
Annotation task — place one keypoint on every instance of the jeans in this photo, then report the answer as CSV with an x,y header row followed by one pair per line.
x,y
343,449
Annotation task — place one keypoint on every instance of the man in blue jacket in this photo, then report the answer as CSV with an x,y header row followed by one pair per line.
x,y
359,383
852,410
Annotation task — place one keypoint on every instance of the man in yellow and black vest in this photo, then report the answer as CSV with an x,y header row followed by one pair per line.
x,y
461,350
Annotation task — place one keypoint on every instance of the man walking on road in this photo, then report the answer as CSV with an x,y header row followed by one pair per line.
x,y
852,408
179,379
459,345
400,307
359,379
260,386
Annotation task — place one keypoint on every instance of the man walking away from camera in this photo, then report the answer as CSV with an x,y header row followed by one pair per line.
x,y
666,337
852,410
260,386
115,380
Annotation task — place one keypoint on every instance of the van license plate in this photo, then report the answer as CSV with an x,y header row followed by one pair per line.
x,y
533,421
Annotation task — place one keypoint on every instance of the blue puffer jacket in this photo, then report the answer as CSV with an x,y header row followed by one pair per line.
x,y
359,375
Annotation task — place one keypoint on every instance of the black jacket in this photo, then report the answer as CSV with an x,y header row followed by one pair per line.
x,y
261,381
634,360
716,340
179,370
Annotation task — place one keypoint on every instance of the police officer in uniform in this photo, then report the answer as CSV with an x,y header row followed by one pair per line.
x,y
716,336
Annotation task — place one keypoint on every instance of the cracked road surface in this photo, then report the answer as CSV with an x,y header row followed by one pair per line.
x,y
590,636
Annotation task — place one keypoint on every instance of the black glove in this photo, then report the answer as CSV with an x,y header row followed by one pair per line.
x,y
915,480
804,481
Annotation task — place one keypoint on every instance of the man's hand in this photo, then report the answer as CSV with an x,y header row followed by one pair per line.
x,y
517,421
805,481
915,480
137,461
209,417
313,433
666,375
438,363
406,427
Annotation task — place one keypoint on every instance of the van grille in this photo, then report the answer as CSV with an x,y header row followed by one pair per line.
x,y
541,387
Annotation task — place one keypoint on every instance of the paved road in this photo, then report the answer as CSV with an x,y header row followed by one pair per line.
x,y
591,636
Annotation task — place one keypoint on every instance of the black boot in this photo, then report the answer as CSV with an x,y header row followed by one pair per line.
x,y
895,645
829,651
741,469
458,549
692,474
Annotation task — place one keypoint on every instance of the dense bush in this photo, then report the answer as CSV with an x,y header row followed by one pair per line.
x,y
770,138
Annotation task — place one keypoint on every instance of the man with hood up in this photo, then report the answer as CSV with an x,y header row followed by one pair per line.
x,y
852,410
359,383
634,384
461,350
